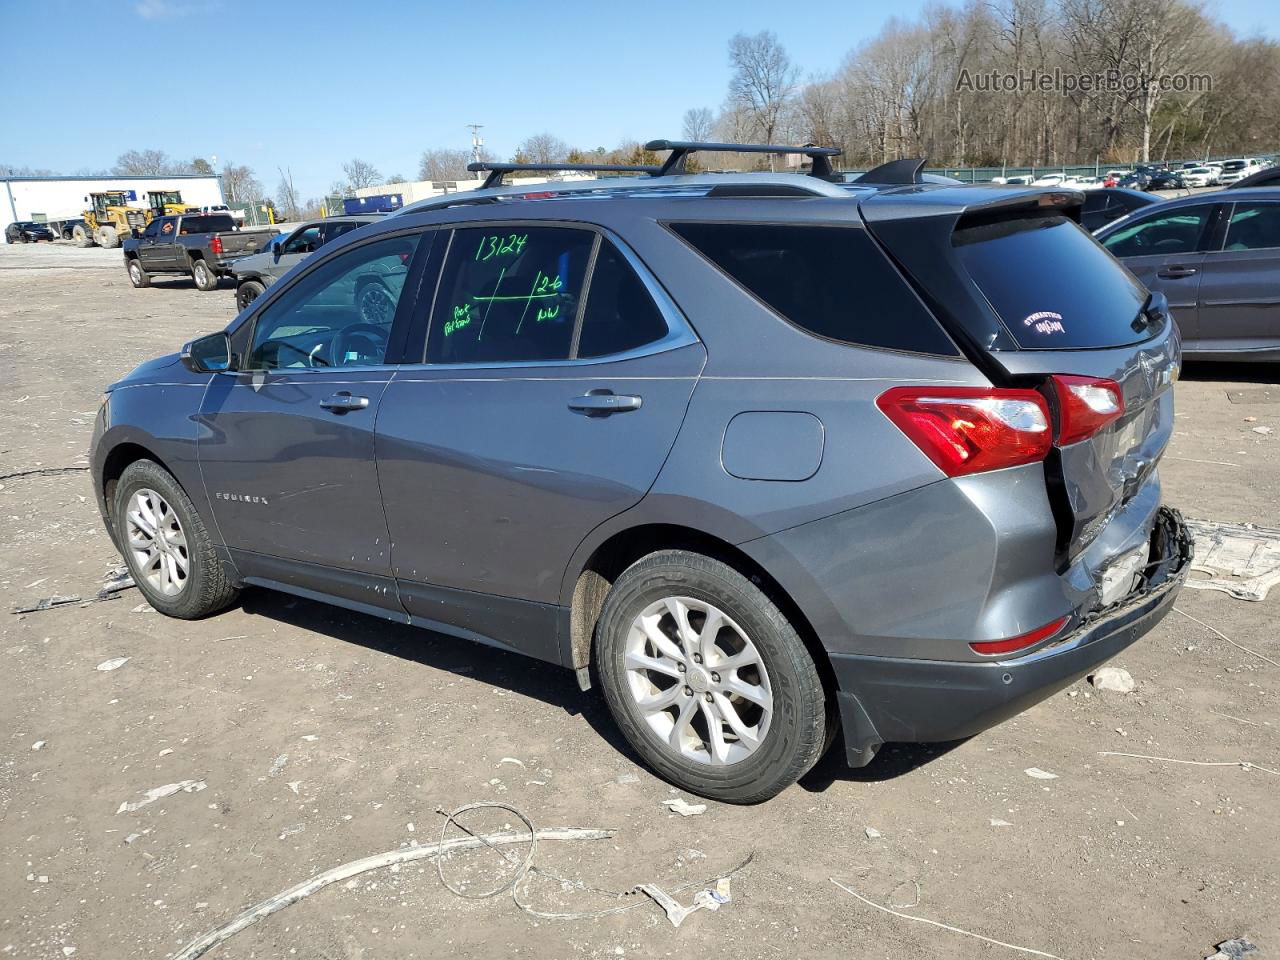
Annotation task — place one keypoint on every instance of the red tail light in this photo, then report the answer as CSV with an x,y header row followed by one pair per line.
x,y
1022,641
215,245
967,430
1085,405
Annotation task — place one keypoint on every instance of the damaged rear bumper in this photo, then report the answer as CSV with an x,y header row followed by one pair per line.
x,y
884,699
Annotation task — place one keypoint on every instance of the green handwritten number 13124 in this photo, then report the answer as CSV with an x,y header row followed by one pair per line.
x,y
491,247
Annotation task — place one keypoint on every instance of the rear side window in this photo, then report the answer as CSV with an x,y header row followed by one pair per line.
x,y
831,281
215,223
1051,284
620,314
509,294
1178,231
1254,226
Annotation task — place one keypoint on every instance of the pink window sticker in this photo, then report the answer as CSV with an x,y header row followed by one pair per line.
x,y
1045,321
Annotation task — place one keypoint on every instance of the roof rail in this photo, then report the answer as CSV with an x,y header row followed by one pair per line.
x,y
906,170
497,170
680,150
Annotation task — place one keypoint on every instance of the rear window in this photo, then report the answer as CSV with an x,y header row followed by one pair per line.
x,y
1051,284
215,223
831,281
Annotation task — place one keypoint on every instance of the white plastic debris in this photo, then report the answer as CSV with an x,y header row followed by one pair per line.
x,y
1113,679
293,785
1234,949
676,805
518,763
1239,559
873,833
1039,774
710,899
1000,823
37,745
115,663
159,793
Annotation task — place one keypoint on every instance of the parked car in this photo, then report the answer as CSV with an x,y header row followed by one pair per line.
x,y
201,245
1166,180
1266,177
1216,258
1234,170
1136,180
27,231
214,208
1200,176
772,454
1111,203
254,274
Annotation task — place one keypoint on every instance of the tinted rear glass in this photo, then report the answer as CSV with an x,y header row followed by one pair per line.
x,y
831,281
1051,284
215,223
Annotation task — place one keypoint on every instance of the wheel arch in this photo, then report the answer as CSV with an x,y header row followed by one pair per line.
x,y
625,547
117,460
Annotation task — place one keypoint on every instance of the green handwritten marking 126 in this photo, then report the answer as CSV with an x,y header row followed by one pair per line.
x,y
461,317
497,246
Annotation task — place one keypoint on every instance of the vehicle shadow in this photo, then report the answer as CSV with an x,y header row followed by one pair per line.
x,y
514,672
551,684
1213,371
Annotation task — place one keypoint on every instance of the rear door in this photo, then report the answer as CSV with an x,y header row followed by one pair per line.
x,y
556,376
1049,300
1240,286
1166,251
286,441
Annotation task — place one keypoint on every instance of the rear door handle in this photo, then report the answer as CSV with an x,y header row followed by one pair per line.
x,y
602,403
343,402
1176,273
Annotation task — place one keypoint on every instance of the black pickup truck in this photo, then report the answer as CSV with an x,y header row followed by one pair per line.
x,y
199,244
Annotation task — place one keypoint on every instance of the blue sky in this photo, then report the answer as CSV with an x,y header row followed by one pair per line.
x,y
308,85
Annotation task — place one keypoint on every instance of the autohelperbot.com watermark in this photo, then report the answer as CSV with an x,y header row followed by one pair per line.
x,y
1065,83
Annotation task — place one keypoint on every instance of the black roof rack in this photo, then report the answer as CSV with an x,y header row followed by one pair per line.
x,y
906,170
680,150
497,171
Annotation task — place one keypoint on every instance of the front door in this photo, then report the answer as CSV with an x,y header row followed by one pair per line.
x,y
1240,288
299,246
286,441
551,395
1166,251
150,249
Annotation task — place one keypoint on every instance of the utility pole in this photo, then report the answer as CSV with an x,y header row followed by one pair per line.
x,y
476,144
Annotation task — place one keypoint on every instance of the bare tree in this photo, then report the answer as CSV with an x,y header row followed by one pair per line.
x,y
239,184
361,174
543,148
143,163
287,195
764,79
200,165
699,123
443,164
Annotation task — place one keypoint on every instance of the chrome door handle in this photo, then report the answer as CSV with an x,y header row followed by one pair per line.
x,y
343,402
602,403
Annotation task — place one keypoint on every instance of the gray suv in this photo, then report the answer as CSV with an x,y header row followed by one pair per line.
x,y
768,458
254,274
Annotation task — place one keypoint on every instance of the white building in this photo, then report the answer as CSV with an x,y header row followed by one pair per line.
x,y
63,198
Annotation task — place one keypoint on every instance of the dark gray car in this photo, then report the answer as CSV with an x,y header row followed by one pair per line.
x,y
775,459
1216,257
254,274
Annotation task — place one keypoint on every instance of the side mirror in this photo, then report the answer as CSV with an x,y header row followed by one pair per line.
x,y
211,354
275,250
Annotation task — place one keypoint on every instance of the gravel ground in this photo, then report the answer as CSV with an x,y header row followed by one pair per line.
x,y
314,736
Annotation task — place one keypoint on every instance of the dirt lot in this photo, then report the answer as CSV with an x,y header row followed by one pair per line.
x,y
321,736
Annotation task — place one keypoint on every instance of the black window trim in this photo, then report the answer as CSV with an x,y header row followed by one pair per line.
x,y
242,334
679,332
1227,212
843,224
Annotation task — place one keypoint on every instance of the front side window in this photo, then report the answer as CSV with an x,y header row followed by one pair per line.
x,y
305,240
509,294
1178,231
1254,226
339,314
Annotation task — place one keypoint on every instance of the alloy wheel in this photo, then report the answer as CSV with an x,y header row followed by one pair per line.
x,y
157,543
698,680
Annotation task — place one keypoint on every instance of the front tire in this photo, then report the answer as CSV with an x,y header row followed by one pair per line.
x,y
248,292
707,679
137,276
164,541
205,279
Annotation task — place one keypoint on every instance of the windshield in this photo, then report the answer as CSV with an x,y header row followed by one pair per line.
x,y
1051,284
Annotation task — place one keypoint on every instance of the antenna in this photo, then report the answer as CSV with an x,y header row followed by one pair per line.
x,y
476,142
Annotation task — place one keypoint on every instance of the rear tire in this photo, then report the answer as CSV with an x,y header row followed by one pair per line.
x,y
248,292
204,277
176,566
137,276
108,238
739,734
